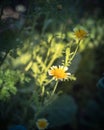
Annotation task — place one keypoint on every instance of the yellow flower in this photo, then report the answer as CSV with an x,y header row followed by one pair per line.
x,y
42,124
59,73
80,33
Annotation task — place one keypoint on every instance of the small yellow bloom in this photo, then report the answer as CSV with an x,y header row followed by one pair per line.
x,y
80,33
42,124
59,73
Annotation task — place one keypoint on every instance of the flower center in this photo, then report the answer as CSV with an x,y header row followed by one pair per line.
x,y
59,73
42,124
80,33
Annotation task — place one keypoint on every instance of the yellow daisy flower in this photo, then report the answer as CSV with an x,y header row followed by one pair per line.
x,y
80,33
42,124
59,73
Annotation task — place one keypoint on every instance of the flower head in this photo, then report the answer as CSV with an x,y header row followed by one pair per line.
x,y
42,124
59,73
80,33
20,8
9,13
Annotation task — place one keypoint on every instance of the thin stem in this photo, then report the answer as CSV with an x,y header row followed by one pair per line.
x,y
42,95
43,90
48,53
75,50
43,87
49,49
48,82
54,88
52,60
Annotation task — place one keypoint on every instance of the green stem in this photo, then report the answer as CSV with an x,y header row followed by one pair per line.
x,y
49,50
43,90
48,82
43,87
75,51
42,95
52,60
54,88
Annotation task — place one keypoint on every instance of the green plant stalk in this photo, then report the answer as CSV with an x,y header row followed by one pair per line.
x,y
48,53
55,87
43,87
42,95
67,57
48,82
43,90
51,62
75,51
49,50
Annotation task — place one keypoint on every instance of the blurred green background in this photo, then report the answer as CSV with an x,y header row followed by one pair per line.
x,y
18,37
